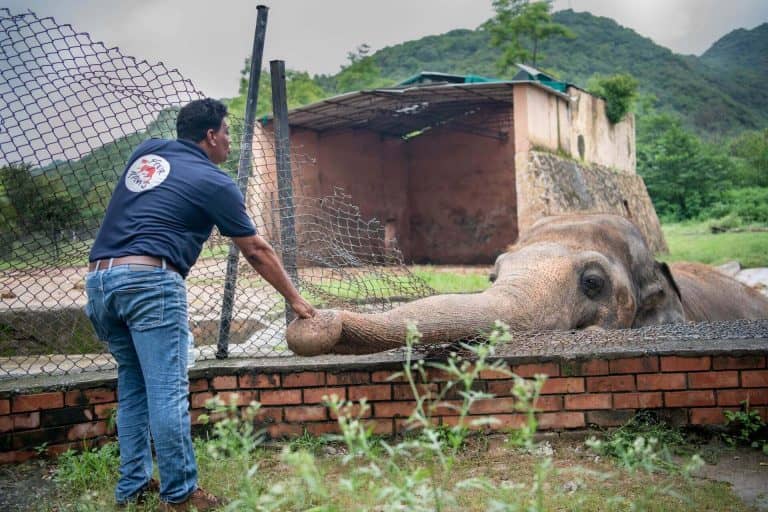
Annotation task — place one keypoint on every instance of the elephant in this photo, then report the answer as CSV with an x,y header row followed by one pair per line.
x,y
576,271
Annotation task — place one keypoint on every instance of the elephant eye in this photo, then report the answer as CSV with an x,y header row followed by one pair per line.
x,y
592,284
492,277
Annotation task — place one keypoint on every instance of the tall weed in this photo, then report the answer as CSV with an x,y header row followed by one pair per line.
x,y
89,469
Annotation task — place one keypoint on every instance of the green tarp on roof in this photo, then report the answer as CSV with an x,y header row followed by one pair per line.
x,y
431,76
525,73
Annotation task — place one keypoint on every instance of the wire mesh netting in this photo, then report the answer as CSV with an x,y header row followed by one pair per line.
x,y
72,111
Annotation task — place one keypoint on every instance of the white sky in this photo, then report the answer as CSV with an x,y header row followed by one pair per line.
x,y
208,40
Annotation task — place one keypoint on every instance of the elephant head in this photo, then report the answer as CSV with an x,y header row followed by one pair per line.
x,y
566,272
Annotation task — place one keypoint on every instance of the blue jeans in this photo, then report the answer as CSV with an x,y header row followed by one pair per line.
x,y
141,312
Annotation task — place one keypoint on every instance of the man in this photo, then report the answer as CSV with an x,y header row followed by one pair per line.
x,y
161,212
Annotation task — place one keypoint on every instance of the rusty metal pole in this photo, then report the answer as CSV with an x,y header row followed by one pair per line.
x,y
284,176
244,169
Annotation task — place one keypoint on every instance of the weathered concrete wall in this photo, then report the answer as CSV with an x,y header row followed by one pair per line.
x,y
610,145
461,194
550,185
577,127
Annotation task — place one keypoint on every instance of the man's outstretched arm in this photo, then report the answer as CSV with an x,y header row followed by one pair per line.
x,y
264,260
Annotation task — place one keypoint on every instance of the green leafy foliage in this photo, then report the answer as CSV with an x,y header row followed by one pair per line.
x,y
300,89
740,207
362,72
36,204
308,443
750,153
519,29
233,434
91,468
32,203
647,444
619,91
684,176
688,108
746,427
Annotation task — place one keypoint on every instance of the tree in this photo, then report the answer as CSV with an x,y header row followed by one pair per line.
x,y
684,176
300,90
619,91
750,150
20,194
362,72
264,102
36,204
519,27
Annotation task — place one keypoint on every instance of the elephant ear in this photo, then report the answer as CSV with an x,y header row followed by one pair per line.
x,y
664,269
659,299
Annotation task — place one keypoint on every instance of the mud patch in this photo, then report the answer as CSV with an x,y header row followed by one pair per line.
x,y
27,486
745,469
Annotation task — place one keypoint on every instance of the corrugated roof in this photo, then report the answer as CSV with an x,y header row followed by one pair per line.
x,y
400,112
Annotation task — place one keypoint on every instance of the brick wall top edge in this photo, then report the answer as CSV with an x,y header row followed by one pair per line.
x,y
394,360
46,383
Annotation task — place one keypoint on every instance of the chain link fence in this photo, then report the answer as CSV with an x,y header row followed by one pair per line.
x,y
72,111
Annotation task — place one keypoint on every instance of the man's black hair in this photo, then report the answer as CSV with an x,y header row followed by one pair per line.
x,y
197,117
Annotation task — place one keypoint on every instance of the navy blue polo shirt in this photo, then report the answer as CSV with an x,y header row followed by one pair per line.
x,y
166,203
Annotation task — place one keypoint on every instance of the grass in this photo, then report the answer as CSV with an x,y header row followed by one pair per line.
x,y
442,280
695,242
578,481
218,251
470,279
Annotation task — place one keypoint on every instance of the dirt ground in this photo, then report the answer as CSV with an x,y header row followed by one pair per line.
x,y
747,472
30,486
26,486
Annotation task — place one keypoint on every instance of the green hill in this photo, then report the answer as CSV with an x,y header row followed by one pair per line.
x,y
738,63
741,50
715,94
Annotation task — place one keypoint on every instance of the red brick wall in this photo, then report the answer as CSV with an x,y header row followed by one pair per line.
x,y
600,391
462,195
448,196
370,168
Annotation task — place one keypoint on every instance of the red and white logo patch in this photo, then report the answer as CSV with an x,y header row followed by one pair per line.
x,y
146,173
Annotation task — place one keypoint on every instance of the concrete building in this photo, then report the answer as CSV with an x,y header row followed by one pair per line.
x,y
455,167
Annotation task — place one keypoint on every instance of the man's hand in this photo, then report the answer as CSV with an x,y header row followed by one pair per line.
x,y
302,308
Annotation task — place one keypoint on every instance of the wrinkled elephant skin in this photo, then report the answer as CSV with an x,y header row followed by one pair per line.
x,y
565,272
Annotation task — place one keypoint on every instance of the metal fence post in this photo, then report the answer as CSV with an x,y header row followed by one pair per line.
x,y
284,176
243,172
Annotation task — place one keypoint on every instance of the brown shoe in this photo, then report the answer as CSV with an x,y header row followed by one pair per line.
x,y
199,500
141,497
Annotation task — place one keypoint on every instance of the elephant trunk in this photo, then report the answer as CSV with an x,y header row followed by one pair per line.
x,y
439,319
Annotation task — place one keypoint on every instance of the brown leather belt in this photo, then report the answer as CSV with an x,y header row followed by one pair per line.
x,y
130,260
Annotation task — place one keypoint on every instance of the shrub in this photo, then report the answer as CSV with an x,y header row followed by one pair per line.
x,y
746,427
642,443
619,92
741,206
